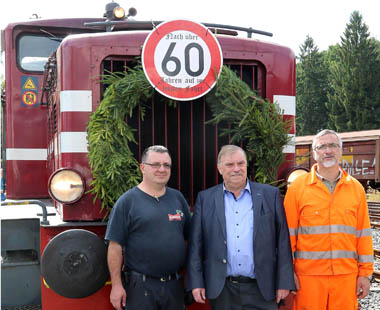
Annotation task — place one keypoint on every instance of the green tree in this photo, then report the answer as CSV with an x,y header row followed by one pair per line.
x,y
354,100
312,85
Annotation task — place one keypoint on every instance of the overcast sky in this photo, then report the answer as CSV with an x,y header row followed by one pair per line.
x,y
289,21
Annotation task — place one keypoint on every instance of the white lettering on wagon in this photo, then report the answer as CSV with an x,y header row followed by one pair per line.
x,y
358,167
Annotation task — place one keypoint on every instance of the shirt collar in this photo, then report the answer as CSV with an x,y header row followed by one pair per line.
x,y
312,177
247,187
323,178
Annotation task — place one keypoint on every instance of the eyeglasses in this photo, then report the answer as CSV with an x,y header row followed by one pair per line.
x,y
323,147
158,165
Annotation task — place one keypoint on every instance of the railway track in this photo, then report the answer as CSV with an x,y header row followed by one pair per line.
x,y
376,253
376,273
374,213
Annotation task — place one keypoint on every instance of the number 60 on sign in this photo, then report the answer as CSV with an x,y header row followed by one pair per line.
x,y
182,59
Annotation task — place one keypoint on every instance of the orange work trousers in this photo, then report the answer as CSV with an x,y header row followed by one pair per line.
x,y
336,292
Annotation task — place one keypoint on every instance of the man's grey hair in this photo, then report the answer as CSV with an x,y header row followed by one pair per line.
x,y
323,133
153,148
229,149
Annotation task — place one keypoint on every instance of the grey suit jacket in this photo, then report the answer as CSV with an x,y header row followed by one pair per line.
x,y
207,259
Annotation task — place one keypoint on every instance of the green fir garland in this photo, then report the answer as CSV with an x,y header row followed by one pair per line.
x,y
254,121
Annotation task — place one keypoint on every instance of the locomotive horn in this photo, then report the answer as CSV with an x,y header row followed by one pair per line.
x,y
132,12
74,263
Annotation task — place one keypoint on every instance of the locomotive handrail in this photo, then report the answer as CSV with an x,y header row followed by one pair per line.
x,y
30,202
149,25
249,30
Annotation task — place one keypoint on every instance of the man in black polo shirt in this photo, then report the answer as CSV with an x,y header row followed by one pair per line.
x,y
150,222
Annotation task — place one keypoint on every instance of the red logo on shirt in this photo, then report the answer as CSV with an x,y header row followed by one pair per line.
x,y
174,217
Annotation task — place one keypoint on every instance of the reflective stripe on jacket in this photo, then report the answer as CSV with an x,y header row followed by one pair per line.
x,y
330,233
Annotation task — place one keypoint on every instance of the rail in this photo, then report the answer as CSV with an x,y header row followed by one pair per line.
x,y
376,252
374,213
376,273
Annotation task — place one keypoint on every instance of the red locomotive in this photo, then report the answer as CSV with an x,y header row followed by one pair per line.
x,y
53,85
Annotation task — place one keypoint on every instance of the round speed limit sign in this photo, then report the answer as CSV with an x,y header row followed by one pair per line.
x,y
182,59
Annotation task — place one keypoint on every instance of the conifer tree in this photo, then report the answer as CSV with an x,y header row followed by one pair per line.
x,y
354,101
312,84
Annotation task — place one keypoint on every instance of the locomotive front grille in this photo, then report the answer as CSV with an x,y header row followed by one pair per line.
x,y
193,144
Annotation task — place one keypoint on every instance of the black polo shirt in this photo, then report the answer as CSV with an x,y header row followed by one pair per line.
x,y
151,230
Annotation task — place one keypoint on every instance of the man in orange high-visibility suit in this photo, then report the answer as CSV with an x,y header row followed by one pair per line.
x,y
330,232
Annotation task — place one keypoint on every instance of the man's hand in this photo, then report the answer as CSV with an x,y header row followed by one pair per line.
x,y
118,297
296,283
362,287
199,295
281,294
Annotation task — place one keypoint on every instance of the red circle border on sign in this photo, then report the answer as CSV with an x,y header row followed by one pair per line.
x,y
26,102
154,78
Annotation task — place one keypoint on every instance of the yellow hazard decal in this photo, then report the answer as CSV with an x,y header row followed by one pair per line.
x,y
29,84
29,91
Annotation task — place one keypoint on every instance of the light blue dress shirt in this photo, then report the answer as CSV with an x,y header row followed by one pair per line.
x,y
239,228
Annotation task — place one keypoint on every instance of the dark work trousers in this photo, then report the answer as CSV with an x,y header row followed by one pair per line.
x,y
241,296
152,294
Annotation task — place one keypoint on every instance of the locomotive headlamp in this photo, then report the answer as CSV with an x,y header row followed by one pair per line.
x,y
294,174
66,186
114,11
118,12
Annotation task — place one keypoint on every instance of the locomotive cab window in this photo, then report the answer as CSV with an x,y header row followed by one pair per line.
x,y
33,51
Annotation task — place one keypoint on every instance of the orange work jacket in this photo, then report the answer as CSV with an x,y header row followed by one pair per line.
x,y
330,233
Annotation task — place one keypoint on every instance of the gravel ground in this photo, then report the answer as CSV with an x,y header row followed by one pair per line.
x,y
372,301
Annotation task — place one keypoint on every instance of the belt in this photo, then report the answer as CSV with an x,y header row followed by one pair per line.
x,y
174,276
240,279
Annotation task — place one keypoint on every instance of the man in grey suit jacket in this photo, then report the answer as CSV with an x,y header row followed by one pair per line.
x,y
239,249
